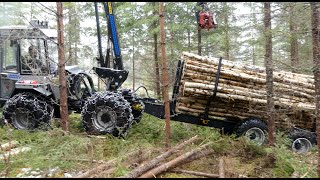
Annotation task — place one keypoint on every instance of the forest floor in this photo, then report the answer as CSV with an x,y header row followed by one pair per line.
x,y
55,153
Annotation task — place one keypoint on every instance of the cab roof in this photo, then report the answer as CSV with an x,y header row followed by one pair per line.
x,y
26,32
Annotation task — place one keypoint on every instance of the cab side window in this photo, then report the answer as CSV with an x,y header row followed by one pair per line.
x,y
10,52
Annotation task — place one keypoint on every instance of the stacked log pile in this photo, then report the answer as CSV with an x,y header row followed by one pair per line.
x,y
241,92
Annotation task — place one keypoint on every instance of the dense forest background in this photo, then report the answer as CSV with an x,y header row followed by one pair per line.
x,y
239,36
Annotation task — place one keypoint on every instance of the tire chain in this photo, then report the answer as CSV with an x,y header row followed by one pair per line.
x,y
35,104
121,107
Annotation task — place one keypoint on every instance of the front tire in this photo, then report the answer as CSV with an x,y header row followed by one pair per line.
x,y
25,111
107,113
254,130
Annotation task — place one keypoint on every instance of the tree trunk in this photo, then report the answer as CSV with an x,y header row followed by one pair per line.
x,y
62,75
315,25
155,54
133,64
293,39
269,72
227,38
165,93
189,41
254,22
199,40
69,40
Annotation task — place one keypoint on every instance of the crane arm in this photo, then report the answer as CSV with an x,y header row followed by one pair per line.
x,y
116,75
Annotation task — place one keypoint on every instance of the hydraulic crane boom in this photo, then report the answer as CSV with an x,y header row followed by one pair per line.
x,y
116,75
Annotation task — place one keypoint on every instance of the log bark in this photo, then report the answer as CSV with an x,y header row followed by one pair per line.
x,y
195,173
242,91
175,162
142,169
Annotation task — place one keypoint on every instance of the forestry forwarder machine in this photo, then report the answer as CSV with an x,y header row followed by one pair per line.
x,y
30,92
31,96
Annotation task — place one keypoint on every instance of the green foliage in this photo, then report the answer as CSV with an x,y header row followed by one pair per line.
x,y
55,148
50,149
284,166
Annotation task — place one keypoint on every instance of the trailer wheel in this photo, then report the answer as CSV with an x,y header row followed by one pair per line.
x,y
137,106
254,130
302,141
107,113
25,111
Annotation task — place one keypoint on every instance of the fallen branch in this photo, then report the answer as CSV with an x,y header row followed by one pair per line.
x,y
221,168
81,160
137,159
195,173
176,162
105,166
97,169
142,169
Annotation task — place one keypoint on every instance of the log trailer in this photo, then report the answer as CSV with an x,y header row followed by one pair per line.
x,y
253,128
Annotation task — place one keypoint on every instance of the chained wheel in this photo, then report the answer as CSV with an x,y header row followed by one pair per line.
x,y
25,111
107,113
302,141
137,106
253,130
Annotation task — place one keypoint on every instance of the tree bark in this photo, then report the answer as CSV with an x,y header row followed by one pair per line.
x,y
315,24
199,40
165,93
269,73
155,54
62,76
151,164
189,40
293,39
133,64
176,162
227,38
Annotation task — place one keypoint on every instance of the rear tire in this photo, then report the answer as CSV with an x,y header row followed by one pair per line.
x,y
254,130
302,141
26,111
107,113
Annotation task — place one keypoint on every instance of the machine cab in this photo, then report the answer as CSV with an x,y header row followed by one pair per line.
x,y
25,53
